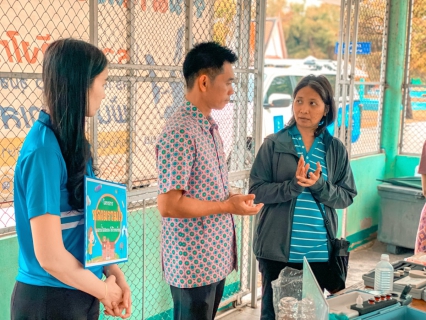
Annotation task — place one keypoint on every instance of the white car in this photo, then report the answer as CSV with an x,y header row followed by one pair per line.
x,y
278,87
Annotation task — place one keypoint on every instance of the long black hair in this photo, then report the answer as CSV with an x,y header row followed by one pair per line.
x,y
69,68
322,86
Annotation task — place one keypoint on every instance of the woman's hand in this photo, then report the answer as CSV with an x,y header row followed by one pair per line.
x,y
126,298
114,295
301,176
125,304
301,169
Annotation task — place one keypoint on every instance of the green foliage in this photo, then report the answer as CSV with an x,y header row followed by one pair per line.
x,y
275,8
313,31
418,41
224,13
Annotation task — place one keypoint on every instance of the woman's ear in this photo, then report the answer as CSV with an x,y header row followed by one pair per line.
x,y
326,110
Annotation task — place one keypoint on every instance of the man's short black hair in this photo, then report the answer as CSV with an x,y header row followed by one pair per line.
x,y
206,57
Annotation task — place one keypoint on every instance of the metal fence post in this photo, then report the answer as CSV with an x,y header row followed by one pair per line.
x,y
406,83
258,122
394,80
93,35
189,4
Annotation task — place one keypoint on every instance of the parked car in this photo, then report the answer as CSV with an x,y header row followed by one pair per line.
x,y
278,87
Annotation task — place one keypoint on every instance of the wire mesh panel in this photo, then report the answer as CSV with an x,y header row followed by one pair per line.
x,y
145,42
414,101
26,29
369,76
365,21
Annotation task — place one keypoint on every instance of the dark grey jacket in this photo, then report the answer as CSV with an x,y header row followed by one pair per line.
x,y
272,180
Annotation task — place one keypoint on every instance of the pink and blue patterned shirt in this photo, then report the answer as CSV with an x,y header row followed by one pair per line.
x,y
190,157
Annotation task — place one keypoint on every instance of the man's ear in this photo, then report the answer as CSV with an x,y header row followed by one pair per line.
x,y
202,82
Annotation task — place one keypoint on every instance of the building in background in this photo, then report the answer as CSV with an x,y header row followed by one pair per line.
x,y
275,47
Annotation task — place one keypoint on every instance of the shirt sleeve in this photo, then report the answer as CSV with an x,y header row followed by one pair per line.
x,y
422,166
41,176
175,152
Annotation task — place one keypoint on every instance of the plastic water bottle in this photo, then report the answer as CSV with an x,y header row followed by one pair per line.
x,y
383,278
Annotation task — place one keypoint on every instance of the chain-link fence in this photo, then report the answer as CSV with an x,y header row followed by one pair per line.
x,y
413,131
362,72
145,42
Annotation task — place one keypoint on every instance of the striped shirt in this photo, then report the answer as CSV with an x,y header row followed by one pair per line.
x,y
309,236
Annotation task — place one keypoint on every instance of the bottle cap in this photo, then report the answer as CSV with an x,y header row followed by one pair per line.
x,y
385,257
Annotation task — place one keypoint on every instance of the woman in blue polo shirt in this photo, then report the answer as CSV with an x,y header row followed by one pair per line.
x,y
299,172
48,195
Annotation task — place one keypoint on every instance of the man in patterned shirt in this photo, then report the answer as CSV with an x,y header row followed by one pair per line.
x,y
198,236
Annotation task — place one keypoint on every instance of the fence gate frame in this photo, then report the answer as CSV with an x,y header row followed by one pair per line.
x,y
346,81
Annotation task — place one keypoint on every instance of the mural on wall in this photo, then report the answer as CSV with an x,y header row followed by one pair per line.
x,y
22,47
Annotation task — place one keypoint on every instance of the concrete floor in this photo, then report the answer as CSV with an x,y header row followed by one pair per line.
x,y
361,261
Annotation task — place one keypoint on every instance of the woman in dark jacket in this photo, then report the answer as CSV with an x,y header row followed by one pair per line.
x,y
298,172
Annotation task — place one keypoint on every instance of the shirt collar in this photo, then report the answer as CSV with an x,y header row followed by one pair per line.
x,y
207,123
296,133
44,118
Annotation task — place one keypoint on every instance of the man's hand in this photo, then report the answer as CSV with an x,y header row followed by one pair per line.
x,y
242,205
250,203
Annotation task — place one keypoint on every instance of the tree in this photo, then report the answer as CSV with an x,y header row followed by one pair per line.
x,y
371,24
224,13
418,41
312,31
275,8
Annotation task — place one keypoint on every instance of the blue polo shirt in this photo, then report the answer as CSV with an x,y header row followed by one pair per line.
x,y
308,236
40,188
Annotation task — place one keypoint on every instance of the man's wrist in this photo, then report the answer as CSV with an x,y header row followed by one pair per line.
x,y
223,206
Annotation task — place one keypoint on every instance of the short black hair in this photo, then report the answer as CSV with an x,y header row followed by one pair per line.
x,y
206,57
323,87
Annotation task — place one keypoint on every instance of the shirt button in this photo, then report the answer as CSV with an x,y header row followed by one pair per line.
x,y
303,147
307,157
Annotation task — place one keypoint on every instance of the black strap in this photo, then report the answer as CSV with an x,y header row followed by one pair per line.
x,y
325,218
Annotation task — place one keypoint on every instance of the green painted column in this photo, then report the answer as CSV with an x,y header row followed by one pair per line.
x,y
395,63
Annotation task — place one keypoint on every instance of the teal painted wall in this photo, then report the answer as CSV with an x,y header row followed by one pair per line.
x,y
406,165
395,59
362,215
8,271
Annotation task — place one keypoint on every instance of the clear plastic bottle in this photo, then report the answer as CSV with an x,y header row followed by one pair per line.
x,y
383,278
